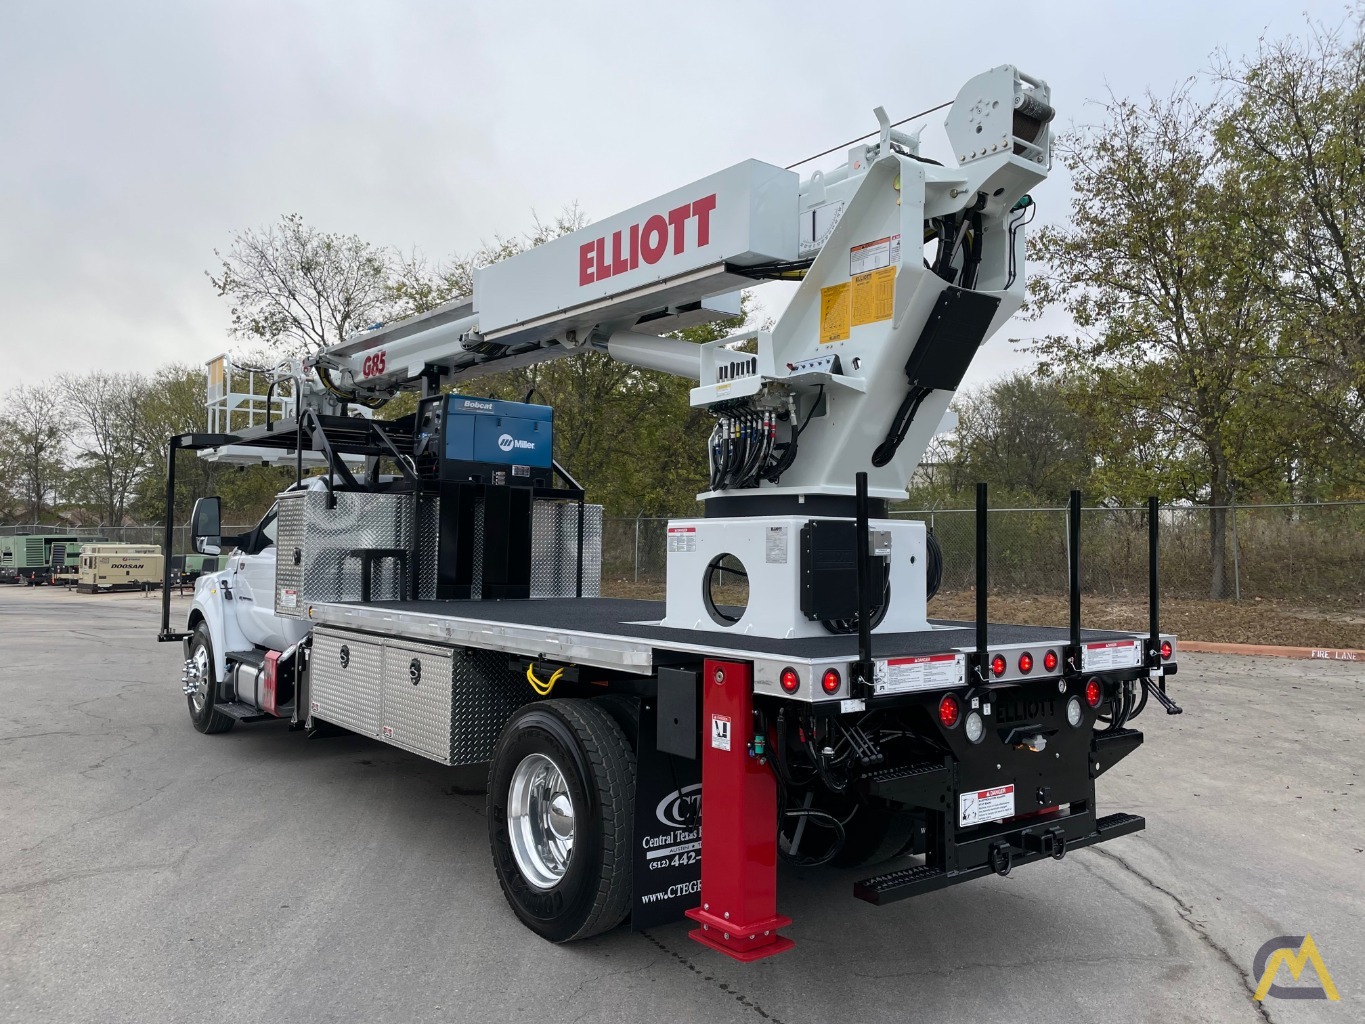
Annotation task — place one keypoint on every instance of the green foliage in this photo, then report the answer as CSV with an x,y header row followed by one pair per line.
x,y
1293,135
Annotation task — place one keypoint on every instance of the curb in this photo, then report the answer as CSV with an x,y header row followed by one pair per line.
x,y
1268,651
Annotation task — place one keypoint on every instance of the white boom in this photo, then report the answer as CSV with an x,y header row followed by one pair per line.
x,y
906,266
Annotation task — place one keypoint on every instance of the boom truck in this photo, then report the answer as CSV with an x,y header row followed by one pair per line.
x,y
432,581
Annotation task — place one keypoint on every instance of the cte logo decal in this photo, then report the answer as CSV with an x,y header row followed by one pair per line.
x,y
645,242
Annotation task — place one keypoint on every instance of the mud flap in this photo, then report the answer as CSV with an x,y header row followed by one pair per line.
x,y
667,829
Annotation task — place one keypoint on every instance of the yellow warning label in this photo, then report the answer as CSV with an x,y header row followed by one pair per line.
x,y
834,313
873,296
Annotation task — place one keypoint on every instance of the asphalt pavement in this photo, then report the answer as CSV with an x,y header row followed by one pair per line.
x,y
149,873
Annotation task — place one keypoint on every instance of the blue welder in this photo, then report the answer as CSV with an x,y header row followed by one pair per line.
x,y
487,460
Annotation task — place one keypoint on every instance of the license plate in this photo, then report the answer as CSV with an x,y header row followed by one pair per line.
x,y
985,805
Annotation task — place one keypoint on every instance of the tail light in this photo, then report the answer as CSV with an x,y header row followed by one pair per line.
x,y
1094,693
1026,663
1166,650
949,711
998,665
1050,660
830,681
790,680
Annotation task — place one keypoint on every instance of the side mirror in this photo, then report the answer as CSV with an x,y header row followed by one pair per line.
x,y
206,525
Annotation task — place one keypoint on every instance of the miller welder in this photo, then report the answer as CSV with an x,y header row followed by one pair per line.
x,y
487,460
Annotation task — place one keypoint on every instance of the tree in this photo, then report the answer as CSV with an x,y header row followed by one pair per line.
x,y
299,289
1293,133
1023,435
33,434
1175,337
109,438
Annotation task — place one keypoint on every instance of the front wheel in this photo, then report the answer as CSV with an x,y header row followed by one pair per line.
x,y
199,688
561,805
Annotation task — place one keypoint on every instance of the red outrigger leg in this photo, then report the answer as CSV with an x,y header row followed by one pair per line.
x,y
738,913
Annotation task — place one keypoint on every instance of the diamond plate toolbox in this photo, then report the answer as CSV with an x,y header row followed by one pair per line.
x,y
317,548
445,703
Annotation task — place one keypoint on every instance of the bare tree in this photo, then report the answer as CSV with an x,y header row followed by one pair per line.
x,y
109,437
33,432
300,289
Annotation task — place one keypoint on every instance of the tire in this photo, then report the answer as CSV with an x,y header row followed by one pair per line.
x,y
563,896
874,835
626,711
203,715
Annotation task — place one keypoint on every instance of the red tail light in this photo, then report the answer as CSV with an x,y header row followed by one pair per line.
x,y
998,665
1094,693
830,681
1166,650
1026,663
949,711
1050,660
790,680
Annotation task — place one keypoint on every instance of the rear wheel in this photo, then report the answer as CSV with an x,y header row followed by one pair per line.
x,y
561,804
199,687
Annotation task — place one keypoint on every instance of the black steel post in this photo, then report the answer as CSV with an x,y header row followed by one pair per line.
x,y
982,583
1153,586
1073,571
864,570
168,545
578,585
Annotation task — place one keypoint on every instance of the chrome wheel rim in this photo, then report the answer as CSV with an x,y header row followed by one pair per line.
x,y
197,677
540,821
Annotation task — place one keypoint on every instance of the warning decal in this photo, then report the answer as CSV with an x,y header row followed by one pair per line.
x,y
834,313
720,732
874,295
926,672
1109,654
872,255
986,805
682,538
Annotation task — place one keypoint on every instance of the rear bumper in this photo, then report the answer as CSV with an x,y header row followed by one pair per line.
x,y
1033,841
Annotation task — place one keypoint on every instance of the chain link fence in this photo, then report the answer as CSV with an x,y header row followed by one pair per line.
x,y
1307,553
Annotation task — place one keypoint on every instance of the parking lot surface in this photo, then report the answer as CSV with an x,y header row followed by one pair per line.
x,y
149,873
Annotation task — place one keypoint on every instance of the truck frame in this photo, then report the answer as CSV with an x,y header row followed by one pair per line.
x,y
432,581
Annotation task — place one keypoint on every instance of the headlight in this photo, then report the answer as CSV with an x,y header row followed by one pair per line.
x,y
1073,711
974,727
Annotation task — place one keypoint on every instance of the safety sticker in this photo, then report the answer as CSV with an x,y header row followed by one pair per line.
x,y
289,598
682,538
834,313
1106,654
882,252
985,805
874,295
927,672
387,732
720,732
775,545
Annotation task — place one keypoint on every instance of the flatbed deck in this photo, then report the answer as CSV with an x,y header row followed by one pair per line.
x,y
624,634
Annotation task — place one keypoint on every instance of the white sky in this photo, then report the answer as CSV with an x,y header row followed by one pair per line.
x,y
136,137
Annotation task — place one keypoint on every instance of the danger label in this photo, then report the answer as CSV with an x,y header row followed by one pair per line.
x,y
874,255
985,805
1108,654
930,672
682,538
720,732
